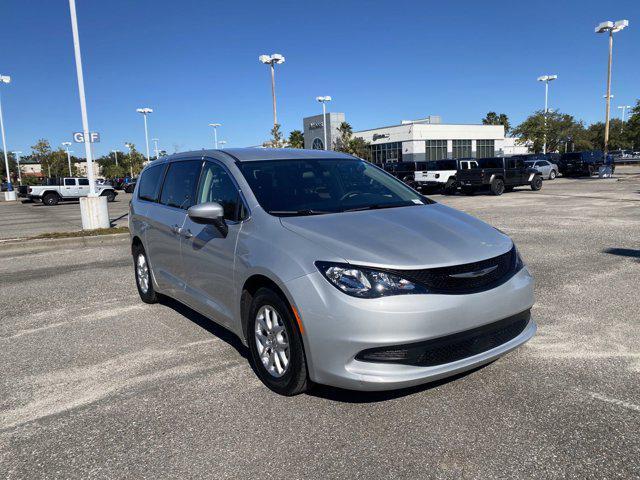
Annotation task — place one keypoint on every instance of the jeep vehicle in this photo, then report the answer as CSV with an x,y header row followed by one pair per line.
x,y
499,175
404,171
581,163
441,174
56,190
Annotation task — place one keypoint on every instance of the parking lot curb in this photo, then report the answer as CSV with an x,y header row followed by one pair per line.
x,y
44,244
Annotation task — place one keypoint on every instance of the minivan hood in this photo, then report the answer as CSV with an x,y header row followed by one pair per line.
x,y
415,237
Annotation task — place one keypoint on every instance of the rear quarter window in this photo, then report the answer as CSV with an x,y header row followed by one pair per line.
x,y
150,183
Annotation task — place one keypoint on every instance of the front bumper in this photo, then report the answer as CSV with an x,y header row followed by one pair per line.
x,y
338,327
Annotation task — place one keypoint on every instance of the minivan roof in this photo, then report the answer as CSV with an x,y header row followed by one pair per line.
x,y
256,154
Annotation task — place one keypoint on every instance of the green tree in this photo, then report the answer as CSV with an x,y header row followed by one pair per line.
x,y
108,167
132,162
296,139
631,132
276,138
617,139
42,153
562,131
347,143
493,118
13,167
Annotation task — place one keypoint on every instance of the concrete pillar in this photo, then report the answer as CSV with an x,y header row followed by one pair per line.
x,y
94,213
10,196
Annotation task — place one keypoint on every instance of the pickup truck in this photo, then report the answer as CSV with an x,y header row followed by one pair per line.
x,y
581,163
442,174
499,175
56,190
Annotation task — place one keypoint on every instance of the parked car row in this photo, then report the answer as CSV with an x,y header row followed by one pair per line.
x,y
497,174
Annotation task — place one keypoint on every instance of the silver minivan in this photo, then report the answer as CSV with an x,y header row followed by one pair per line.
x,y
329,269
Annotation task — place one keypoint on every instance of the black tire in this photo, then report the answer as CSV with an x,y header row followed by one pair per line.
x,y
295,379
51,199
468,190
450,187
552,175
497,186
111,195
149,295
536,183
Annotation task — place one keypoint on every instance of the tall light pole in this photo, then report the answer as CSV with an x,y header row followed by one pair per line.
x,y
215,133
130,147
323,101
155,147
83,101
272,61
115,152
10,194
611,27
66,147
546,79
146,111
624,111
17,154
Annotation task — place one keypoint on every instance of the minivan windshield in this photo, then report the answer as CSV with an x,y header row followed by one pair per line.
x,y
319,186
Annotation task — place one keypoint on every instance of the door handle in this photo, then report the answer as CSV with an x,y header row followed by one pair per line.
x,y
187,234
175,229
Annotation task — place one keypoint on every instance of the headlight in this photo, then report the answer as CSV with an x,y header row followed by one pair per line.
x,y
366,283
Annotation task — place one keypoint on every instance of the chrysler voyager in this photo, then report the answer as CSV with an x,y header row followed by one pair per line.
x,y
328,268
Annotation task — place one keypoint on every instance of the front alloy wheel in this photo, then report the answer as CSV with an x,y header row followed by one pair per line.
x,y
272,341
275,344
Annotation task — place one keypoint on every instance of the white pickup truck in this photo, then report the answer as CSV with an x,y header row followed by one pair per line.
x,y
441,174
68,188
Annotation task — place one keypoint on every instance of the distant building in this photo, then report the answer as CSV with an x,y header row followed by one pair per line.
x,y
314,130
82,168
511,147
416,140
29,167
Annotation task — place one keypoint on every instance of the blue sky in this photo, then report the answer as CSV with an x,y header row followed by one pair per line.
x,y
196,62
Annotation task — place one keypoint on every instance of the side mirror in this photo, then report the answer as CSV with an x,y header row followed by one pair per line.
x,y
209,213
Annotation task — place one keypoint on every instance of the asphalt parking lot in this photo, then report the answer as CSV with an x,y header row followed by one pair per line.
x,y
96,384
20,220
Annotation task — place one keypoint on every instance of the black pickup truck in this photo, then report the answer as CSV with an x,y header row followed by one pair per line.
x,y
499,175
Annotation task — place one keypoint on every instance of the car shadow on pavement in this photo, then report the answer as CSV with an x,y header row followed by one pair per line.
x,y
206,324
623,252
353,396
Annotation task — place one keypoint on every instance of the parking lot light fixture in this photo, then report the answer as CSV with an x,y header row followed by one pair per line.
x,y
324,101
624,109
546,79
146,111
215,133
155,147
17,154
130,147
10,196
272,61
66,146
610,28
222,143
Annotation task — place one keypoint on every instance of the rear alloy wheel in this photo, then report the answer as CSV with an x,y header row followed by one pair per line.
x,y
275,344
536,183
497,186
144,281
111,196
553,175
450,187
51,199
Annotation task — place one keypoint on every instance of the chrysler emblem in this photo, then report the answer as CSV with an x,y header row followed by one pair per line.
x,y
477,273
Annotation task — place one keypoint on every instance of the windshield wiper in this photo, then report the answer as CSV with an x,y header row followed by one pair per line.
x,y
379,207
294,213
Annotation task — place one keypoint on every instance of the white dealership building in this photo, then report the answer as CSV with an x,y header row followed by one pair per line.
x,y
420,140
